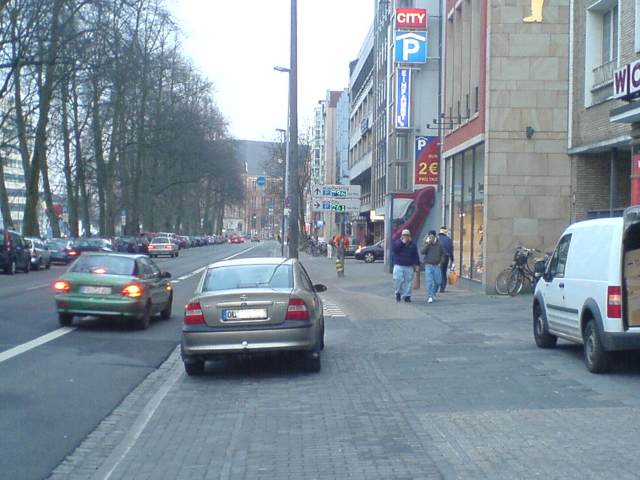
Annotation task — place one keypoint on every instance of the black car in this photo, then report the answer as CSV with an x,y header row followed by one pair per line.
x,y
14,253
62,250
370,253
93,245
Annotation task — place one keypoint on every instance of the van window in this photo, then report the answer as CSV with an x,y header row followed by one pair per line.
x,y
559,260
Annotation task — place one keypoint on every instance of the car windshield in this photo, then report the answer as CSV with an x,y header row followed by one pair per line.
x,y
248,276
104,265
160,240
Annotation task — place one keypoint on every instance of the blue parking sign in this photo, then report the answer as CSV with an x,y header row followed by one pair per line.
x,y
411,47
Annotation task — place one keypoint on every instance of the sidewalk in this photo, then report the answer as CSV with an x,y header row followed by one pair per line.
x,y
453,389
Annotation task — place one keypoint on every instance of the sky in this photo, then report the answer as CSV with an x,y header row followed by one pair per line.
x,y
236,45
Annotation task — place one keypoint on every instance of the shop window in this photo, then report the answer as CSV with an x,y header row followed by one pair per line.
x,y
478,214
466,258
456,224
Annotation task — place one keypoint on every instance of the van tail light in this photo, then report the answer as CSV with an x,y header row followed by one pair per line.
x,y
297,310
132,291
193,314
614,302
62,286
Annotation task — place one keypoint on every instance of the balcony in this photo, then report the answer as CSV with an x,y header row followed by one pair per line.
x,y
603,74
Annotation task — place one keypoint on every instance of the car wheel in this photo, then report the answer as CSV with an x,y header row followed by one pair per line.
x,y
27,267
369,257
65,319
37,266
540,331
311,361
11,268
322,337
194,367
48,266
597,359
142,323
166,312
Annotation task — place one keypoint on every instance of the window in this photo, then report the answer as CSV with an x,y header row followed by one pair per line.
x,y
610,35
559,260
637,26
601,50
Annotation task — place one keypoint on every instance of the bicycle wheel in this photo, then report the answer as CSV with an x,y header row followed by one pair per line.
x,y
502,281
515,282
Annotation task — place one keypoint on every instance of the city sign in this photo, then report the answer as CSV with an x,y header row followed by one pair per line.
x,y
411,47
261,181
626,81
427,160
403,97
341,205
335,192
411,18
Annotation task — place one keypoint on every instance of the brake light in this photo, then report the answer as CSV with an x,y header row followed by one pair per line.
x,y
297,310
72,253
193,314
132,291
62,286
614,302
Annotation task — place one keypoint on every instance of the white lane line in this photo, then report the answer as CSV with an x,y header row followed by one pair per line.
x,y
38,286
25,347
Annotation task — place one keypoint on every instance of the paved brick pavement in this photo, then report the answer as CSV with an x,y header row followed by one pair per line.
x,y
454,389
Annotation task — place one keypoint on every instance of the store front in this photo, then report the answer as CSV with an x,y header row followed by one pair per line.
x,y
464,209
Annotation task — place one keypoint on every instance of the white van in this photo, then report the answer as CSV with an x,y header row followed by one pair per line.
x,y
590,291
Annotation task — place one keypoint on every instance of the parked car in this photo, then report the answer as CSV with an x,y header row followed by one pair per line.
x,y
370,253
590,291
162,246
93,245
255,238
39,252
236,239
114,285
253,305
14,253
62,250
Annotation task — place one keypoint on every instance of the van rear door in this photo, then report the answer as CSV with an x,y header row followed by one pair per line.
x,y
631,267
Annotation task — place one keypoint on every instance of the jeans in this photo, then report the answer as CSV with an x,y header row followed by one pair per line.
x,y
403,280
432,275
443,273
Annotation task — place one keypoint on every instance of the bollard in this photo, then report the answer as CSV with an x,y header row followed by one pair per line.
x,y
340,267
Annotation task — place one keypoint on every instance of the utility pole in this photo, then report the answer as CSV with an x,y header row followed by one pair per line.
x,y
294,171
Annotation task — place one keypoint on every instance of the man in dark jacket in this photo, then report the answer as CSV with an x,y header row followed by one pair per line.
x,y
433,257
405,259
447,247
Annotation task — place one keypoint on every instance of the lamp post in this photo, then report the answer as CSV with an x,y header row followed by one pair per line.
x,y
284,181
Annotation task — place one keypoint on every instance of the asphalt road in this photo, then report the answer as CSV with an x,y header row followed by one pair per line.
x,y
53,395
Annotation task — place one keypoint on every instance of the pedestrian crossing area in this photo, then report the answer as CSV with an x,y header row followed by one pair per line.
x,y
332,310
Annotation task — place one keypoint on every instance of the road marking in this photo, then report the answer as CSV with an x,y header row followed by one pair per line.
x,y
332,310
25,347
202,269
38,286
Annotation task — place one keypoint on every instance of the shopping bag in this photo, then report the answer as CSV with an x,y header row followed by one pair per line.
x,y
452,277
416,279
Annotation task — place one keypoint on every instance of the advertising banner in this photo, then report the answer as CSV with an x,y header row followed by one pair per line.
x,y
411,18
403,98
427,160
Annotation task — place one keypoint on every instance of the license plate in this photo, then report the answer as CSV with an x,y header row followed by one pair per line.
x,y
95,290
247,314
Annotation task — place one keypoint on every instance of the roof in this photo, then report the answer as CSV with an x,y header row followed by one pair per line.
x,y
251,261
254,154
599,222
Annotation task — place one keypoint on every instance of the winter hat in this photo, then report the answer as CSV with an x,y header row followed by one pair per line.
x,y
406,232
432,232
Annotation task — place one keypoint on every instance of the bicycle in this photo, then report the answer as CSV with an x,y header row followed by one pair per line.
x,y
511,280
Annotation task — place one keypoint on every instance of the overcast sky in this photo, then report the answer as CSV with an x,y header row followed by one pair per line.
x,y
236,45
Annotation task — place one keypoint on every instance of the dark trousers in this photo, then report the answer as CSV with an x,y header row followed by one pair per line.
x,y
443,277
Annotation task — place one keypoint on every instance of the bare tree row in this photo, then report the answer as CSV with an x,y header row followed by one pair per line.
x,y
102,109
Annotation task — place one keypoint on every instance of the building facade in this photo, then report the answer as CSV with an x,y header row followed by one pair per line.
x,y
507,173
14,183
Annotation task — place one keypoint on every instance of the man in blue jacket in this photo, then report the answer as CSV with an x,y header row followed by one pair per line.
x,y
447,247
405,259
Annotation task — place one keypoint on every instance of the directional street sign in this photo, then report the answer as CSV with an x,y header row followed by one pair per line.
x,y
337,205
335,198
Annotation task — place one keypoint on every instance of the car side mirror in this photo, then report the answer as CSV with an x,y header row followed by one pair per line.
x,y
539,267
319,288
165,275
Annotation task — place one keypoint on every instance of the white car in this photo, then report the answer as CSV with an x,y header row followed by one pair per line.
x,y
162,246
590,291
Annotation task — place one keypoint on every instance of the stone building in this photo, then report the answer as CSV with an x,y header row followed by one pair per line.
x,y
507,174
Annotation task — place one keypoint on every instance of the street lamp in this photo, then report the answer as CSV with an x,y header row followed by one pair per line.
x,y
286,181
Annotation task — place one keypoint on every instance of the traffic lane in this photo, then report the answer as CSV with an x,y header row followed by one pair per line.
x,y
30,312
21,284
78,379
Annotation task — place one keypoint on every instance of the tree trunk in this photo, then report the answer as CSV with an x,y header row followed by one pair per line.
x,y
72,199
48,198
31,226
101,178
81,183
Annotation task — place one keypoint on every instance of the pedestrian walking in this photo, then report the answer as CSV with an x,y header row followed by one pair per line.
x,y
405,259
447,247
433,257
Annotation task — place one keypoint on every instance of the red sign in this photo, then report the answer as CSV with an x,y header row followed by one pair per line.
x,y
427,160
411,18
635,179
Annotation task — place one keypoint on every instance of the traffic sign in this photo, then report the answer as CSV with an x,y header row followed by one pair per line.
x,y
411,47
334,192
338,205
261,181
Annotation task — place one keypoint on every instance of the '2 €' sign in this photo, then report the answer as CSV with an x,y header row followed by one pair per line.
x,y
411,47
427,160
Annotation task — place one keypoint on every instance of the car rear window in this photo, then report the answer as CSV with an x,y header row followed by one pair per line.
x,y
248,276
61,244
160,240
104,265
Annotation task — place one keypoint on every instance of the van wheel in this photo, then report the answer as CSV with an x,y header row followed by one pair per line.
x,y
540,331
11,268
597,359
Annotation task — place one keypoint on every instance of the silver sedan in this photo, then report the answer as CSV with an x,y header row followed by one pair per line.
x,y
253,305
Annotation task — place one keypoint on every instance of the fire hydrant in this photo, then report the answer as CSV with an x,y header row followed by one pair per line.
x,y
340,266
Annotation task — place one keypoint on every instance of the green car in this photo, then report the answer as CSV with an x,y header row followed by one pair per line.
x,y
114,285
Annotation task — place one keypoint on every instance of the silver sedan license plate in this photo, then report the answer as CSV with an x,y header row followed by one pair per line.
x,y
246,314
95,290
